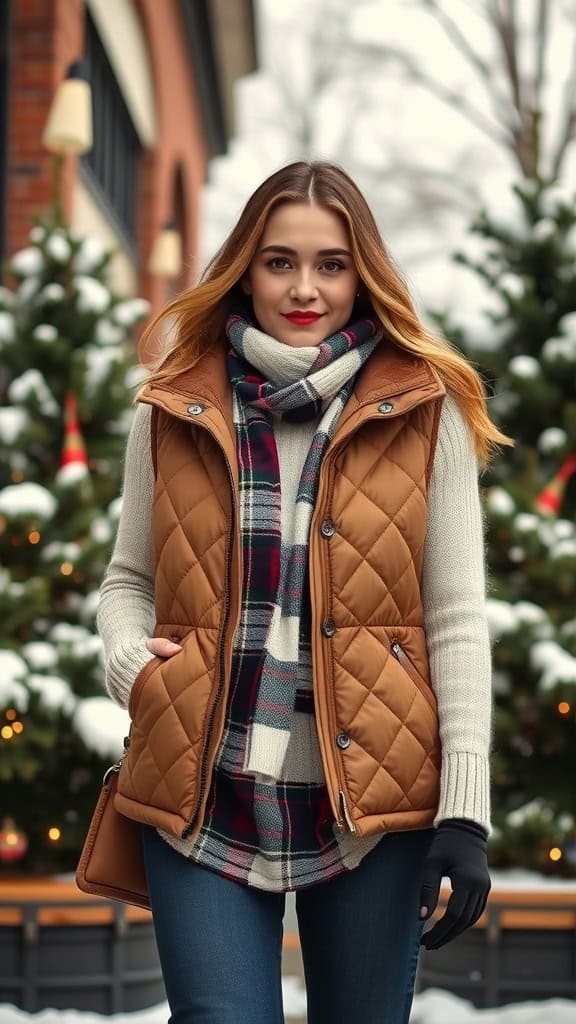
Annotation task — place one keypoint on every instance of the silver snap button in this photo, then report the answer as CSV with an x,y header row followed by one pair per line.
x,y
195,409
328,627
386,407
327,528
343,740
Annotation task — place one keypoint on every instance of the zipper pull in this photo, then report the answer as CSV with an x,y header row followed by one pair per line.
x,y
116,767
346,813
110,771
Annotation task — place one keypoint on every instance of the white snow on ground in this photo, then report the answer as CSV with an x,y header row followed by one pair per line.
x,y
432,1007
437,1007
517,878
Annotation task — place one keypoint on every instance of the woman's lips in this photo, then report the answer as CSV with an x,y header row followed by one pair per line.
x,y
303,319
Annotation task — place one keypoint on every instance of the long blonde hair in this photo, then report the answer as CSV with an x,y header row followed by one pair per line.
x,y
198,316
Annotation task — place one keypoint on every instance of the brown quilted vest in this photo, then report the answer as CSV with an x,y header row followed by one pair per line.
x,y
375,710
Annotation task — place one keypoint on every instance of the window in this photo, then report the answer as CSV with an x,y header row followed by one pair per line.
x,y
112,163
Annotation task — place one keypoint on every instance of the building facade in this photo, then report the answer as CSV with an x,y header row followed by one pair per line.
x,y
162,77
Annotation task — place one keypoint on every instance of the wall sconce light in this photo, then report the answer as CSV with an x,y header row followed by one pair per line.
x,y
68,127
166,255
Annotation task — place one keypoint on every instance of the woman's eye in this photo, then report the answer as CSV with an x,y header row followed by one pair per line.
x,y
278,263
332,266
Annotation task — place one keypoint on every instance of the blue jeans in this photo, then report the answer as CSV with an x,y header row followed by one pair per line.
x,y
220,942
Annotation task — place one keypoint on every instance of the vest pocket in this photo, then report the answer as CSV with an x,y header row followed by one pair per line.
x,y
138,684
409,667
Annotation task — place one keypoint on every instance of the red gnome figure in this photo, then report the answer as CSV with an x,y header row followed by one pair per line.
x,y
74,451
549,500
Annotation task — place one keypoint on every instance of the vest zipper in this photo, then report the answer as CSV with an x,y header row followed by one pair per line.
x,y
221,681
340,807
346,813
409,667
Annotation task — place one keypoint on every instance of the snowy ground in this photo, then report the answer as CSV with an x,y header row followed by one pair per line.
x,y
432,1007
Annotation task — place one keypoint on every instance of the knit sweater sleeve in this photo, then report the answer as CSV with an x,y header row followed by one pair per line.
x,y
126,614
454,598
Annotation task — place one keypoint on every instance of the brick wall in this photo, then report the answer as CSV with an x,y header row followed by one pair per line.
x,y
46,37
180,152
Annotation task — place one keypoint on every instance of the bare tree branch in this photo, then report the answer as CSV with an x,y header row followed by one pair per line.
x,y
460,42
453,98
507,36
524,134
568,132
541,36
518,109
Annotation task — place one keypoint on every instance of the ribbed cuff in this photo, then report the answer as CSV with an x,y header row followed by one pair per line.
x,y
465,789
123,667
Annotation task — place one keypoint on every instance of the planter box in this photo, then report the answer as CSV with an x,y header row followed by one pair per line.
x,y
64,949
522,948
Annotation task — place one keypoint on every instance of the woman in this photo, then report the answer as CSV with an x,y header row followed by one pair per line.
x,y
294,616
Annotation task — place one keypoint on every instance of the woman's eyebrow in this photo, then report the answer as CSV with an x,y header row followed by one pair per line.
x,y
292,252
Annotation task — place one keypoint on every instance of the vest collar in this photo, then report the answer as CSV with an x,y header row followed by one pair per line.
x,y
389,373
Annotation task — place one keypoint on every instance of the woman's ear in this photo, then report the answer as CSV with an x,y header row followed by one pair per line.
x,y
245,285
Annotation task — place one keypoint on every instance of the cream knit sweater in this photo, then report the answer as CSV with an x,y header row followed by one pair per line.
x,y
453,584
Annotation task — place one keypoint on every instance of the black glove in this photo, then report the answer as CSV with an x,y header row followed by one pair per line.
x,y
458,852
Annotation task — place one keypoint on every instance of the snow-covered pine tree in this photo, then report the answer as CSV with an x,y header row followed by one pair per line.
x,y
67,374
525,346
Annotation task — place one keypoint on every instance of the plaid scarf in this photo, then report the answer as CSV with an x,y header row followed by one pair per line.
x,y
272,654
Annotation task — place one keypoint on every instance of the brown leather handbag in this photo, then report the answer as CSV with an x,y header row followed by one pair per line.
x,y
112,861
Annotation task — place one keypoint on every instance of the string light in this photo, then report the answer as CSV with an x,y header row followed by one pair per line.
x,y
564,707
7,732
11,838
17,476
18,727
54,834
66,568
11,714
555,853
33,536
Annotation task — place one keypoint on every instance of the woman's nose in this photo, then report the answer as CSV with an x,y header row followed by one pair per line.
x,y
304,287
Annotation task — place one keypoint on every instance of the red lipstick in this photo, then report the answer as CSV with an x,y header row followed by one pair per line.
x,y
303,317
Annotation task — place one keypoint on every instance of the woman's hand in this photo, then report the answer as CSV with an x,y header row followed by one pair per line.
x,y
162,647
458,851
